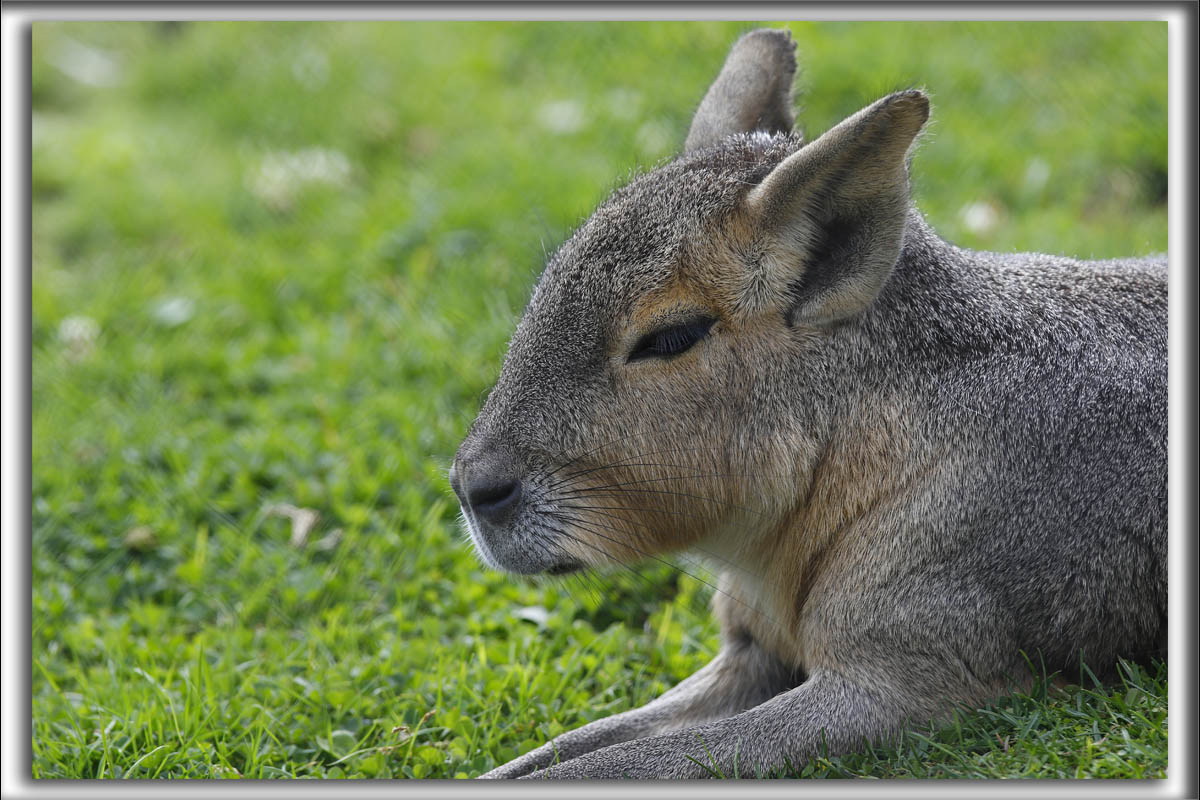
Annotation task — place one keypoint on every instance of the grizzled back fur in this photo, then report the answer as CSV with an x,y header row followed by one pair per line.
x,y
890,448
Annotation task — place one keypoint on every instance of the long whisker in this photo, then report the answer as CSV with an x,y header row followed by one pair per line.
x,y
617,465
586,580
645,554
561,464
626,462
539,540
670,477
595,588
665,492
575,459
556,514
584,493
608,557
667,512
603,512
726,562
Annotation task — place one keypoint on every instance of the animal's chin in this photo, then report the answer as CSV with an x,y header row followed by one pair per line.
x,y
506,550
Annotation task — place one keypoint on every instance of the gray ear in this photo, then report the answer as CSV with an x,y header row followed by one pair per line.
x,y
753,91
831,216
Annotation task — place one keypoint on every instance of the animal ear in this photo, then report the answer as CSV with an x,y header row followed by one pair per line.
x,y
831,216
753,91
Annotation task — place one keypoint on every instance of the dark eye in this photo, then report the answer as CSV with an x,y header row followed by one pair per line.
x,y
670,341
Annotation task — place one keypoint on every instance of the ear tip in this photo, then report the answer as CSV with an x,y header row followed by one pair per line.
x,y
910,102
782,36
777,39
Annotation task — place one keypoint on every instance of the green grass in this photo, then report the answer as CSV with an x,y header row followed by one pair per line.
x,y
278,263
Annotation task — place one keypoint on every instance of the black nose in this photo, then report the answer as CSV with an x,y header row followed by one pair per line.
x,y
489,488
493,497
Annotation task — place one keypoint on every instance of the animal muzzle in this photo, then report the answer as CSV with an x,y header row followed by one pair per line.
x,y
488,486
491,489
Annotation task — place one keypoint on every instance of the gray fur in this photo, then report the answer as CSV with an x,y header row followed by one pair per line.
x,y
913,465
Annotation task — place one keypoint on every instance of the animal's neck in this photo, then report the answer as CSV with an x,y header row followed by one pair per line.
x,y
869,450
769,575
940,307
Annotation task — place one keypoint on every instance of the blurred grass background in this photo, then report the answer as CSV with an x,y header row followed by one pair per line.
x,y
274,269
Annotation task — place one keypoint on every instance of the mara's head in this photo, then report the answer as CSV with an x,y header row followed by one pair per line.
x,y
664,383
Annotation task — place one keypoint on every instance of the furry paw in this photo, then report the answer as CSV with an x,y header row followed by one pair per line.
x,y
667,757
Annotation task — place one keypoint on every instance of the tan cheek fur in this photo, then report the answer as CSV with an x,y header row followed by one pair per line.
x,y
664,491
776,524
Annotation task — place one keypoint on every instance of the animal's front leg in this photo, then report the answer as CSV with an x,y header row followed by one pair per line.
x,y
741,676
825,712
